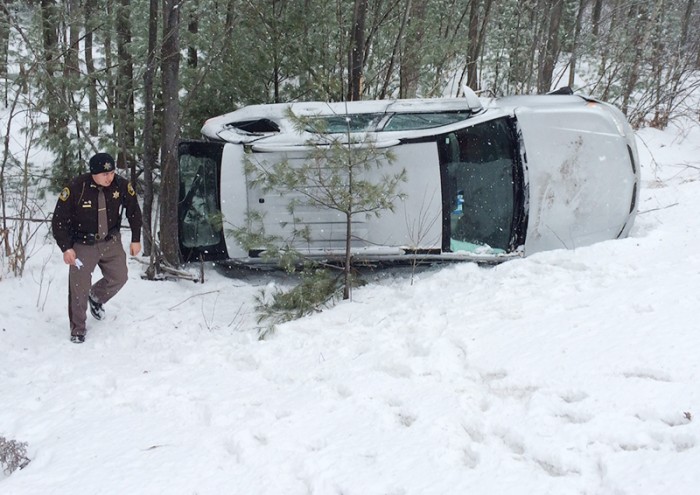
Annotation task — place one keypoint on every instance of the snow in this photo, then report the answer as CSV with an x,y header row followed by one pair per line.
x,y
568,372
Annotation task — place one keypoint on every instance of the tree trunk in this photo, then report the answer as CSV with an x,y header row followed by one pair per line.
x,y
595,17
149,155
575,43
395,52
90,11
49,28
411,59
642,32
537,13
473,44
685,23
347,266
479,14
110,90
230,18
551,48
4,47
193,28
357,49
170,185
516,60
277,49
604,45
71,67
125,126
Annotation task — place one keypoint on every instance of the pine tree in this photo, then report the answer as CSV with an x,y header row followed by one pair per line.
x,y
333,176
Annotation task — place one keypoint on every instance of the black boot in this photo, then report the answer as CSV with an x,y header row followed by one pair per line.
x,y
96,309
77,339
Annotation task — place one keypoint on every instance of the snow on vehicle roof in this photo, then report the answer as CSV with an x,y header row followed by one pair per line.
x,y
227,127
269,123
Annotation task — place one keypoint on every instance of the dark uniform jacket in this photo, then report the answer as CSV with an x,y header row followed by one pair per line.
x,y
75,217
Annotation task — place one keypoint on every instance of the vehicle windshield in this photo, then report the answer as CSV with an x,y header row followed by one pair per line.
x,y
478,170
199,211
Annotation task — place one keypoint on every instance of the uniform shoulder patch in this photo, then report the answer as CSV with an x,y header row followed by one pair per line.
x,y
130,189
65,194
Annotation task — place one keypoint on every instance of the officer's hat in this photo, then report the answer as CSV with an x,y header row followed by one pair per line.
x,y
101,162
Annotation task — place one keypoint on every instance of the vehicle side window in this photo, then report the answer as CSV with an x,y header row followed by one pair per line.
x,y
479,181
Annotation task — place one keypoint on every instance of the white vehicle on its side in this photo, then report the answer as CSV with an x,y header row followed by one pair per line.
x,y
485,182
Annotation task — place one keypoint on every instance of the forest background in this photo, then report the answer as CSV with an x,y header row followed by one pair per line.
x,y
132,77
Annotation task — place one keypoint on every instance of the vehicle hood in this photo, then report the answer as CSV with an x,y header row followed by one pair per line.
x,y
577,168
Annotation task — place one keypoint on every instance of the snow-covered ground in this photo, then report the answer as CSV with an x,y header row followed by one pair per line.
x,y
569,372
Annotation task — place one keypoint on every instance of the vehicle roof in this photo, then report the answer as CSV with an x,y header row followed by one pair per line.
x,y
273,126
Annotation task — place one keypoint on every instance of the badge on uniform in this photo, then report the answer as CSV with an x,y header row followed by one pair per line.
x,y
115,195
65,194
130,188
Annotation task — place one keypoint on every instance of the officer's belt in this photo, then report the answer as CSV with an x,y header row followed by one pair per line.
x,y
91,238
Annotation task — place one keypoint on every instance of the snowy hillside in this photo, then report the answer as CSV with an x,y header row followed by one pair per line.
x,y
569,372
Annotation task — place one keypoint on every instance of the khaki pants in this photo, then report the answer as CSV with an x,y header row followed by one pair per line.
x,y
110,257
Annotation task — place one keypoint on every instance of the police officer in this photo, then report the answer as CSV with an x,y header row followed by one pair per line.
x,y
86,224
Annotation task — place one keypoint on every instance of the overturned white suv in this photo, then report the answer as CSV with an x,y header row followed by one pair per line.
x,y
486,180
